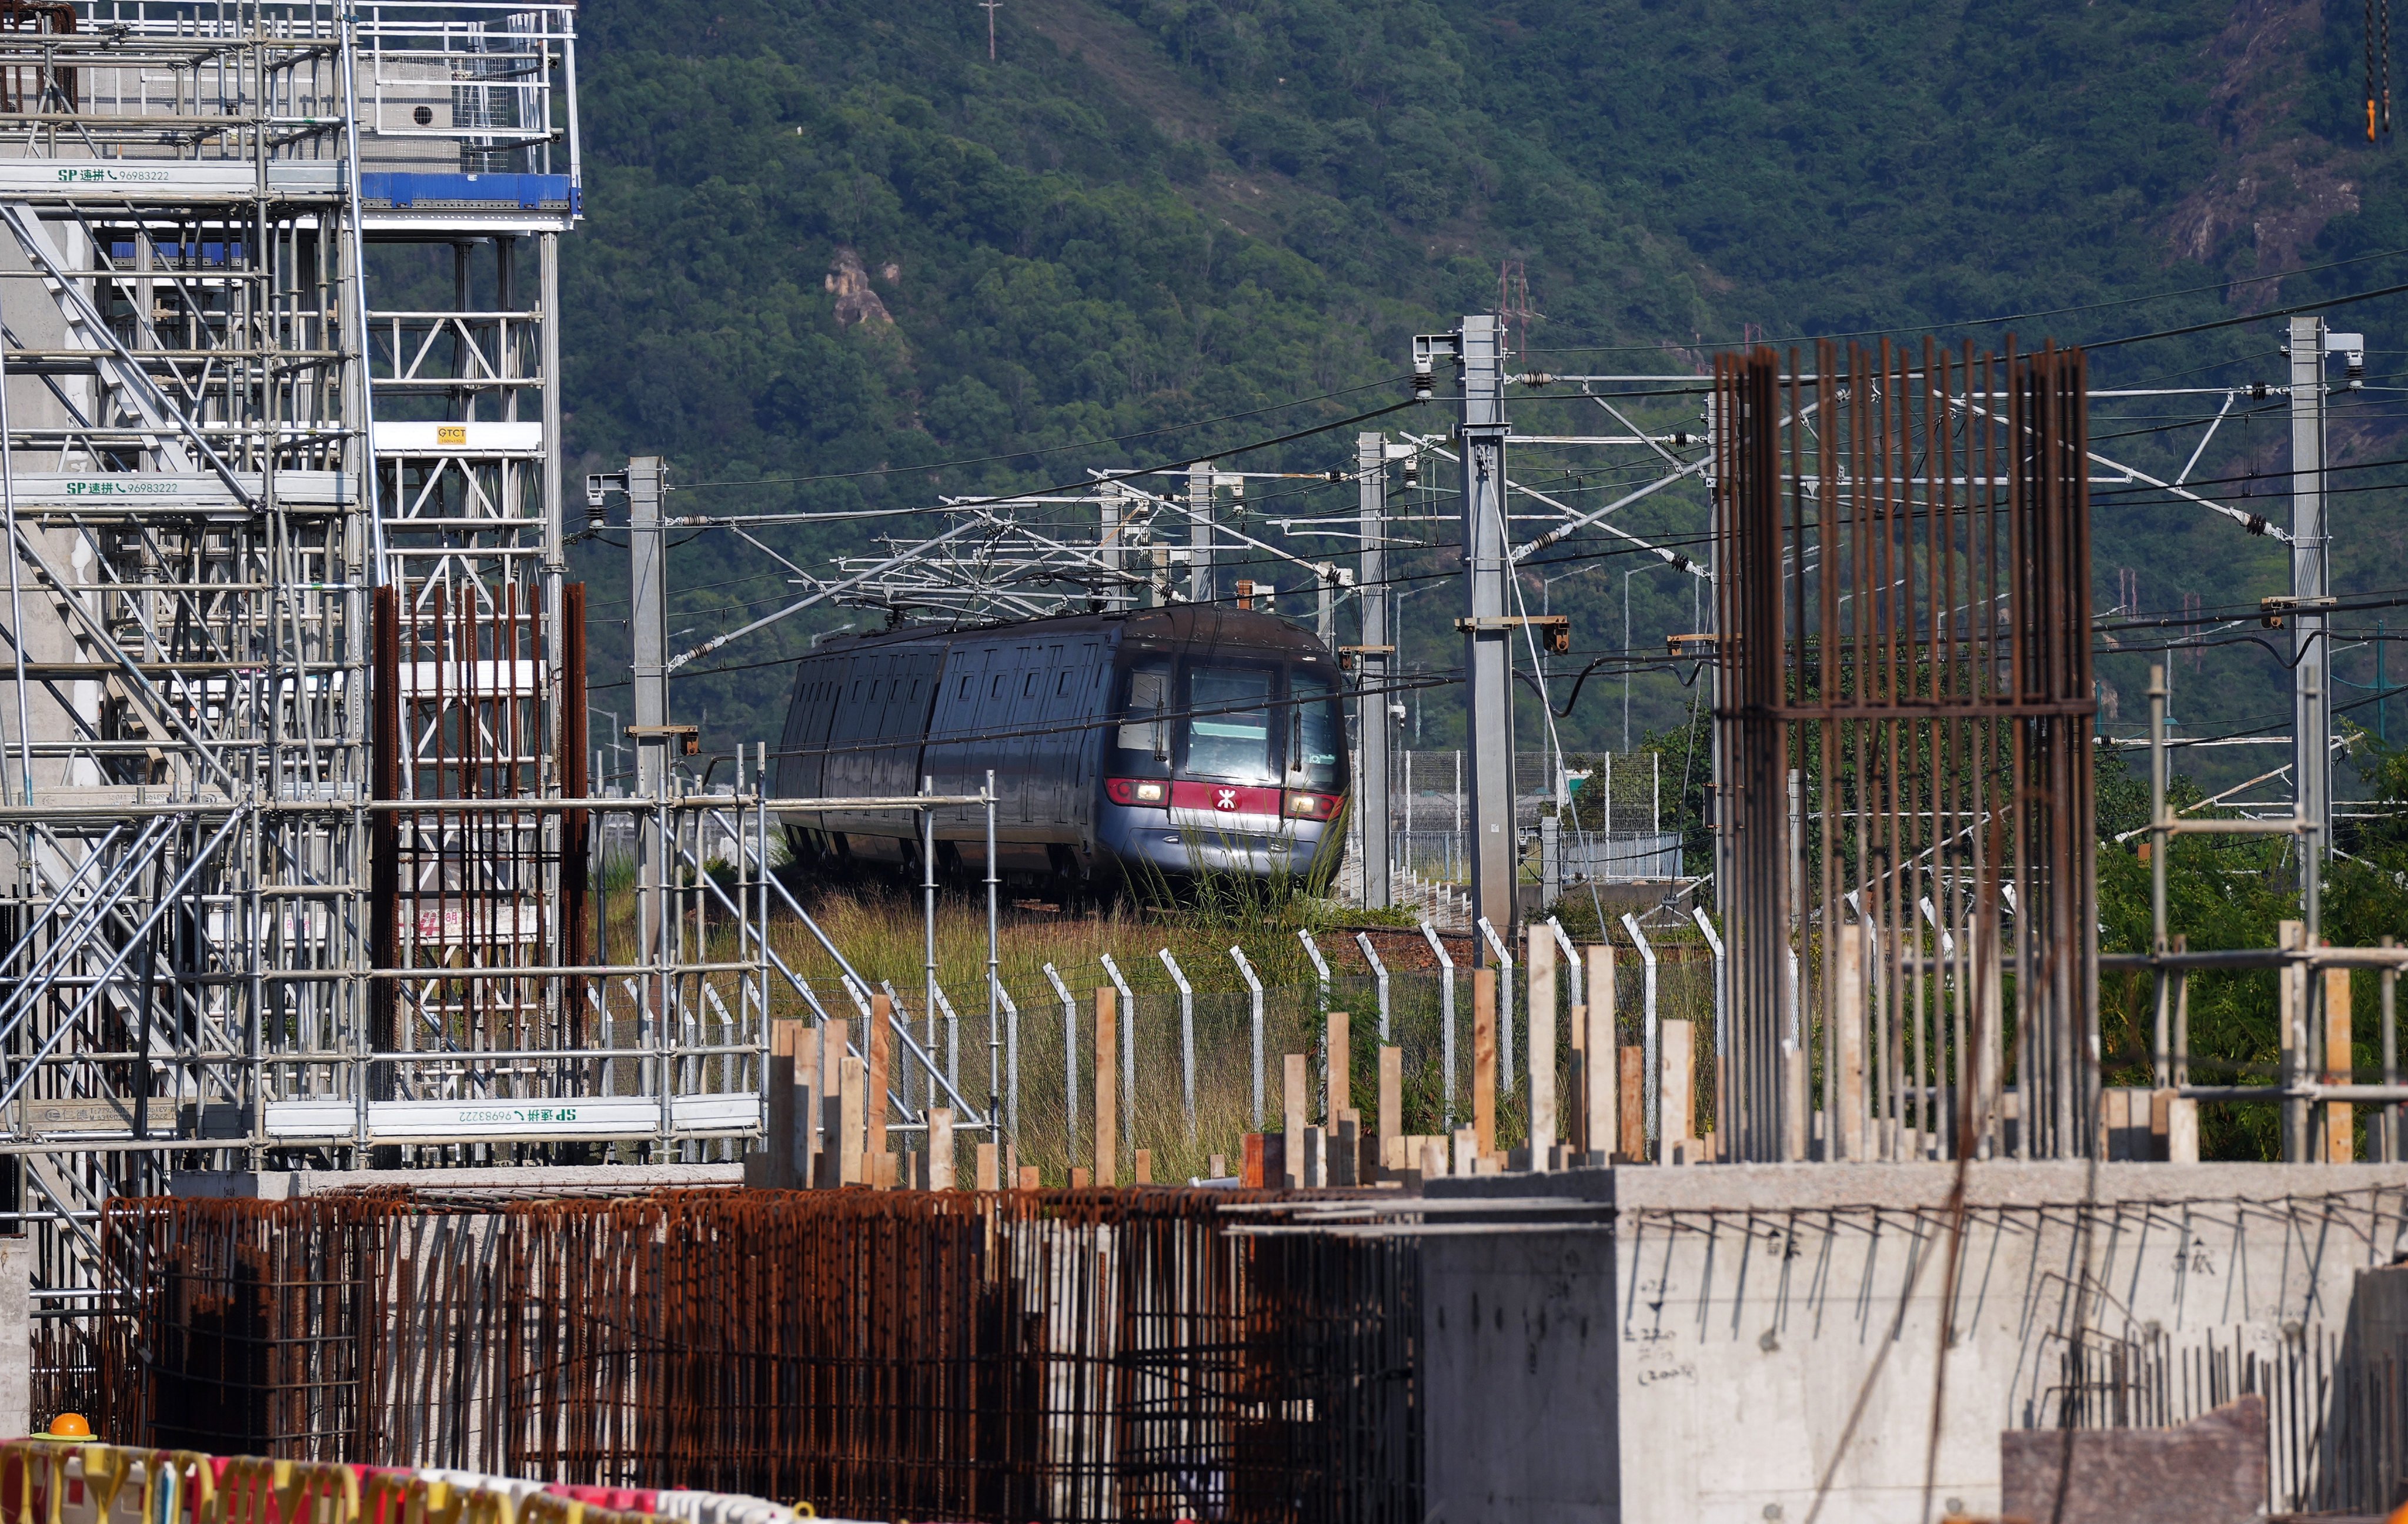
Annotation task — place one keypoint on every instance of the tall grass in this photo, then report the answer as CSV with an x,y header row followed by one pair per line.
x,y
879,931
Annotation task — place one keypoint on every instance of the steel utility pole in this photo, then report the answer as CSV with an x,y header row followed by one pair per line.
x,y
1487,657
648,587
1200,533
2311,686
1113,510
1371,666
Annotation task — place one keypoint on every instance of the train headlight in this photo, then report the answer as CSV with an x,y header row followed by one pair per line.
x,y
1312,806
1138,791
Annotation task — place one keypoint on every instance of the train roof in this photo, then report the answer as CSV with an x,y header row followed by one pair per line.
x,y
1179,624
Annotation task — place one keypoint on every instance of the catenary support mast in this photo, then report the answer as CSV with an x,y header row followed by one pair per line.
x,y
1487,657
1371,725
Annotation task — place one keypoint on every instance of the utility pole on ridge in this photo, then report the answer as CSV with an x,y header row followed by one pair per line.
x,y
2311,684
1371,666
1487,663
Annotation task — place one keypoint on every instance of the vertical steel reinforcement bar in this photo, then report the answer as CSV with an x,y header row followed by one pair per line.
x,y
1903,547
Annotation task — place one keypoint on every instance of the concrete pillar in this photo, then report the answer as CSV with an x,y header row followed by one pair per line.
x,y
1296,1103
803,1137
1679,1088
1392,1108
1107,1088
1337,1071
16,1337
2341,1134
1602,1093
882,1047
2292,1014
830,1142
941,1148
1630,1110
852,1106
1844,1136
1484,1058
1539,957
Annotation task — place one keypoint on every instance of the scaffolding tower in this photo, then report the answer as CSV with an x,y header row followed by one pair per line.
x,y
295,868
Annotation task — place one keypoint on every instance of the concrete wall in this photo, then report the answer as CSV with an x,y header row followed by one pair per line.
x,y
1776,1326
1519,1337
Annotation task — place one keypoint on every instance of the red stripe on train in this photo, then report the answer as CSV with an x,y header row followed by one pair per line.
x,y
1224,798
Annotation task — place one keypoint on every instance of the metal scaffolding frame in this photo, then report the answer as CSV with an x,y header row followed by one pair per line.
x,y
296,861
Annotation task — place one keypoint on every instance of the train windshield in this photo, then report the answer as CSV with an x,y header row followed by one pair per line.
x,y
1319,736
1229,724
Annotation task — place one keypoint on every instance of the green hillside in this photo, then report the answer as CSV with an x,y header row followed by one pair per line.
x,y
1145,216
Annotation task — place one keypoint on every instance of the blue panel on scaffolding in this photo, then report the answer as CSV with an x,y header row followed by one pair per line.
x,y
527,193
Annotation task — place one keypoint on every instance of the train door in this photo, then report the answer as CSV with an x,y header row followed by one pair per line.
x,y
1064,752
994,690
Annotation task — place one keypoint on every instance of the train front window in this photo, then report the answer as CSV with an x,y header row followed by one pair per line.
x,y
1142,729
1229,724
1320,732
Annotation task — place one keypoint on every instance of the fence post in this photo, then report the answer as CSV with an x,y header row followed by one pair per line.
x,y
953,1042
1127,1098
1653,1077
993,973
1321,1006
1724,1139
1378,977
1320,970
1504,1013
1571,964
1186,1039
1254,987
1069,1059
1010,1060
1445,1021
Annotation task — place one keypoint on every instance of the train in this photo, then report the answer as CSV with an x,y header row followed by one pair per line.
x,y
1128,747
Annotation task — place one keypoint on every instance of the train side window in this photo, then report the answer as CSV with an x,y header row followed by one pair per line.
x,y
1142,729
963,693
1062,684
1028,686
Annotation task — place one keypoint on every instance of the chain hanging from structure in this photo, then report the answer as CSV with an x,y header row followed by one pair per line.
x,y
1905,723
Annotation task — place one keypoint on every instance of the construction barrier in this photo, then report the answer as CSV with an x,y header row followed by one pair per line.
x,y
48,1480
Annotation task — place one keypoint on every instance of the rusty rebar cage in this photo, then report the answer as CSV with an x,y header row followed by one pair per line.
x,y
1905,723
1059,1355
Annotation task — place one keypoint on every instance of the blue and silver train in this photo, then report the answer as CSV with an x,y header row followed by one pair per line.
x,y
1125,746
